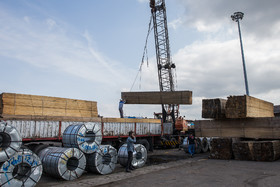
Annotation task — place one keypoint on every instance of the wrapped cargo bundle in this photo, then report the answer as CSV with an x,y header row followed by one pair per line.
x,y
10,141
139,155
103,161
23,169
85,136
64,163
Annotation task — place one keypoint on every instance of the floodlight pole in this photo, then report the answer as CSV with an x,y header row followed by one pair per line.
x,y
236,17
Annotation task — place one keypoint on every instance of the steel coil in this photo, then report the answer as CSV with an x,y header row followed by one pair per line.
x,y
198,146
22,169
139,155
209,143
10,141
103,161
185,145
85,136
204,145
64,163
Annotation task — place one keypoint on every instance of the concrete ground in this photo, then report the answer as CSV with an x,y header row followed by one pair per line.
x,y
173,167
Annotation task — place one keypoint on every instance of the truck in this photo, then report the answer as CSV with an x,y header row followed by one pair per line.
x,y
42,119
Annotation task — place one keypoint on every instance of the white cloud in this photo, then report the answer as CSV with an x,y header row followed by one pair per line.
x,y
143,1
43,46
26,19
51,23
203,26
175,23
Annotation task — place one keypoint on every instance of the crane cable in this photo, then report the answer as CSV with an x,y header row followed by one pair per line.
x,y
145,53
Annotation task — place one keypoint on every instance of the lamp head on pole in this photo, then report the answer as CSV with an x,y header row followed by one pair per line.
x,y
236,16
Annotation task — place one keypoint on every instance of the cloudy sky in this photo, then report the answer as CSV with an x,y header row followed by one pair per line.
x,y
92,50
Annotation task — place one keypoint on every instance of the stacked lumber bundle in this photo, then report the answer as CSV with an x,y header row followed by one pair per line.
x,y
214,108
21,105
221,148
174,97
277,110
257,150
237,107
263,128
248,107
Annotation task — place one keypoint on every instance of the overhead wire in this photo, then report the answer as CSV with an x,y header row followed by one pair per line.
x,y
145,54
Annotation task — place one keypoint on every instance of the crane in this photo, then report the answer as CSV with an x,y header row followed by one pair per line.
x,y
165,65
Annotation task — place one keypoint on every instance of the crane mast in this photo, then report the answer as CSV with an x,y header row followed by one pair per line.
x,y
164,62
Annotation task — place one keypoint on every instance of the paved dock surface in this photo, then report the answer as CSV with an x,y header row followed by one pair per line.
x,y
176,168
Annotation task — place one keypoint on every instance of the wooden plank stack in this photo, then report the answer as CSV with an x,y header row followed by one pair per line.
x,y
263,128
248,107
221,148
257,150
27,106
214,108
236,107
174,97
277,110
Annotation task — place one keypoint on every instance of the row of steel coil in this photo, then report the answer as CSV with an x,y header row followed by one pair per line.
x,y
203,145
81,152
18,166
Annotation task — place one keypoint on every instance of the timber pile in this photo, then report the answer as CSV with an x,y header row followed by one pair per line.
x,y
214,108
221,148
29,106
263,128
257,150
174,97
237,107
277,110
248,107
